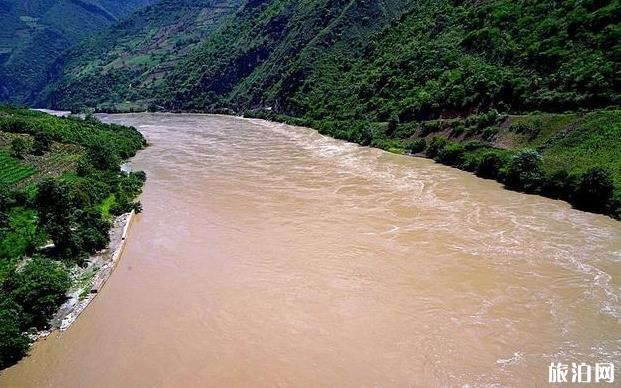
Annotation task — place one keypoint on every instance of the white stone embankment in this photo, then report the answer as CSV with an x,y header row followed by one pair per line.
x,y
91,278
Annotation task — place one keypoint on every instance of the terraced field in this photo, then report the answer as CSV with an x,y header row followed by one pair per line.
x,y
12,170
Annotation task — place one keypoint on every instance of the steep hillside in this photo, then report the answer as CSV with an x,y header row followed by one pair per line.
x,y
494,87
441,58
244,59
35,32
129,61
404,59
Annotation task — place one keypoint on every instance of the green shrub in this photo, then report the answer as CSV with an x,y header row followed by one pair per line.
x,y
452,154
19,147
458,129
490,165
42,143
39,288
414,146
435,146
13,342
489,133
559,184
524,171
594,190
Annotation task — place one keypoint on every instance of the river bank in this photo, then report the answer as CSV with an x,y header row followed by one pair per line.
x,y
90,279
566,156
574,157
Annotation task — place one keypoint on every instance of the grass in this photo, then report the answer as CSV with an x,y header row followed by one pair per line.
x,y
596,142
106,205
22,233
85,282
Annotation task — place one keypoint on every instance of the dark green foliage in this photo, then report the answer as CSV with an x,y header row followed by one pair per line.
x,y
559,184
39,287
594,190
436,145
415,145
451,154
525,171
490,165
102,157
42,143
19,147
13,342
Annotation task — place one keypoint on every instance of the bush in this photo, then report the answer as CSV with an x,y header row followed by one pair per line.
x,y
524,171
558,185
393,123
436,145
102,157
490,165
594,190
414,146
42,143
489,133
428,127
452,154
458,129
19,147
13,342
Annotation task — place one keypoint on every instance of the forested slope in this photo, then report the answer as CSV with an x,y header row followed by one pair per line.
x,y
125,66
60,183
526,92
35,32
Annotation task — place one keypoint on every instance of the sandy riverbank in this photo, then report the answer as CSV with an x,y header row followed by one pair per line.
x,y
91,278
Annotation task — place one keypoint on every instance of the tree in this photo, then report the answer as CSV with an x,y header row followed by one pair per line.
x,y
39,288
19,147
525,171
437,144
103,157
42,143
92,230
490,165
594,190
55,207
13,342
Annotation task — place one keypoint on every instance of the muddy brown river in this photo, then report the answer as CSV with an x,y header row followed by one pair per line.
x,y
271,256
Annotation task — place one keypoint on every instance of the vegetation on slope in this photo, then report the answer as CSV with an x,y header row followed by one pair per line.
x,y
574,157
35,32
128,62
67,203
394,73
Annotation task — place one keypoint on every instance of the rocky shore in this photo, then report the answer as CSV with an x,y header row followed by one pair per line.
x,y
91,278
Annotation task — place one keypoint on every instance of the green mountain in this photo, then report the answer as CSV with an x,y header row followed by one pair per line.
x,y
126,63
255,47
35,32
526,92
371,60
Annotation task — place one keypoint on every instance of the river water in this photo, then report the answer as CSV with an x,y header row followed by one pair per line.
x,y
269,255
